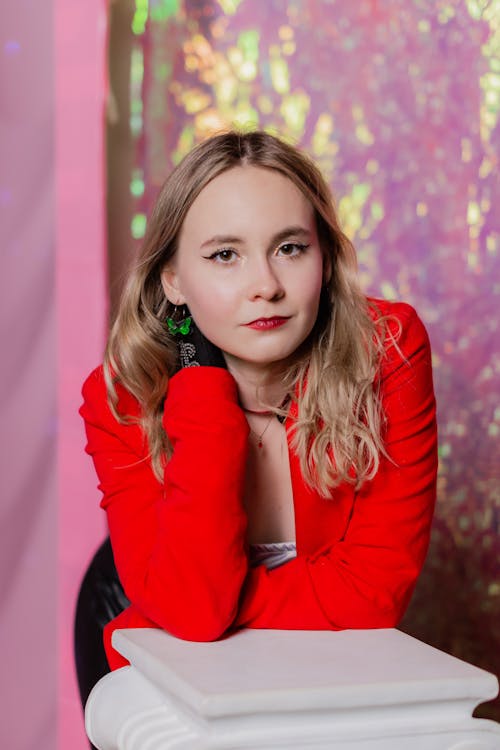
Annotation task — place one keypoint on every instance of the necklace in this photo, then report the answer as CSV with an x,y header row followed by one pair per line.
x,y
259,437
270,414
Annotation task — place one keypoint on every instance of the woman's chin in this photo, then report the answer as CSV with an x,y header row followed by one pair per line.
x,y
271,361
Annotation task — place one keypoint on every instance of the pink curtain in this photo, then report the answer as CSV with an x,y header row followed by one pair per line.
x,y
28,553
52,87
80,65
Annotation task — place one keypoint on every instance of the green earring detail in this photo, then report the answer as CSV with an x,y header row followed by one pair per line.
x,y
182,326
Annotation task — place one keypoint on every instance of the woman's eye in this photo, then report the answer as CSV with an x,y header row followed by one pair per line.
x,y
291,249
223,256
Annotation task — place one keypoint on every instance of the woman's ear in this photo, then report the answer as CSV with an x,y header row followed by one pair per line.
x,y
170,284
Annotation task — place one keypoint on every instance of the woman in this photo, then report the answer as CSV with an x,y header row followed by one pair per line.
x,y
264,434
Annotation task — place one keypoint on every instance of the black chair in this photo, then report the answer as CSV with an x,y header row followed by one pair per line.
x,y
101,599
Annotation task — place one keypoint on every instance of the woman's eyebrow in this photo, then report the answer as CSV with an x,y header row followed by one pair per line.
x,y
292,231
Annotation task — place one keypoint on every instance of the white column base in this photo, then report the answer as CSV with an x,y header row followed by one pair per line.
x,y
309,690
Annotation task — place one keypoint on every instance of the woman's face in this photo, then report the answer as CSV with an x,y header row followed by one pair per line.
x,y
249,266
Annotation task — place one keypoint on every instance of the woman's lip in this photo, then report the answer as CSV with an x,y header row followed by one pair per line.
x,y
263,324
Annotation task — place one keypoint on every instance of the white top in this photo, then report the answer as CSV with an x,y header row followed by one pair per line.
x,y
272,554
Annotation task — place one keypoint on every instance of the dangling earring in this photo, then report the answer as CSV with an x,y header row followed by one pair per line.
x,y
182,326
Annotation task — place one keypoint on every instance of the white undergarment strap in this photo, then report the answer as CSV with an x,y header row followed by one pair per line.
x,y
272,554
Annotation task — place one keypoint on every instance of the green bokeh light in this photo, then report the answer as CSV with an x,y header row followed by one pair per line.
x,y
138,226
140,17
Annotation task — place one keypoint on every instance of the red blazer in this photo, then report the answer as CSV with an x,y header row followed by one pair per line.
x,y
180,547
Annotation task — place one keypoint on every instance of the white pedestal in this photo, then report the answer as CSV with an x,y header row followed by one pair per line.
x,y
302,690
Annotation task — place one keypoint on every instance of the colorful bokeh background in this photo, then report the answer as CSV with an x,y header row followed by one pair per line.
x,y
398,101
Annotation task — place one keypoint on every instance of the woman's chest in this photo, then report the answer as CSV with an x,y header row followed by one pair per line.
x,y
268,496
281,507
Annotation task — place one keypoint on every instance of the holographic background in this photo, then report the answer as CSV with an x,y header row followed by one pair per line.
x,y
398,101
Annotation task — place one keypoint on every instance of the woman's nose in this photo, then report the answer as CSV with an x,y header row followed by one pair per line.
x,y
265,282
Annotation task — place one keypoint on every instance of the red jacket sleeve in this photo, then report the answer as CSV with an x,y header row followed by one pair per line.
x,y
179,548
366,579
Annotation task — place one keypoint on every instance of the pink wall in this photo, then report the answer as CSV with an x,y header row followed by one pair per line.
x,y
28,501
80,46
52,90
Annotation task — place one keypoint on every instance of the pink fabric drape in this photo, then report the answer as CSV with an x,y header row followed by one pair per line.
x,y
28,501
52,89
80,65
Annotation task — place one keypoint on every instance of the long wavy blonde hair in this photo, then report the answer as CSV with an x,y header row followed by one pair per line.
x,y
338,431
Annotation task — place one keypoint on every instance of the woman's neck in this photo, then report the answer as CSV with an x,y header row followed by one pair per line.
x,y
258,386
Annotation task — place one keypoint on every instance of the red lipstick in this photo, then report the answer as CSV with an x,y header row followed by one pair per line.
x,y
267,324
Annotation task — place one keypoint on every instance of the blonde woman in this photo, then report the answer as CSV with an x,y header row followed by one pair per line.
x,y
264,434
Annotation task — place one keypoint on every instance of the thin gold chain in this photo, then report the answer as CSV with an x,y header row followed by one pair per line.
x,y
259,437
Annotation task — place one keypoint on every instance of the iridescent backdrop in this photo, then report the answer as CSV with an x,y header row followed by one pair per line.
x,y
398,101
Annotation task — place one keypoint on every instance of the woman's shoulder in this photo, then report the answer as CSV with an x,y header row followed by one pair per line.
x,y
95,382
400,318
405,338
383,308
109,428
95,392
100,418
